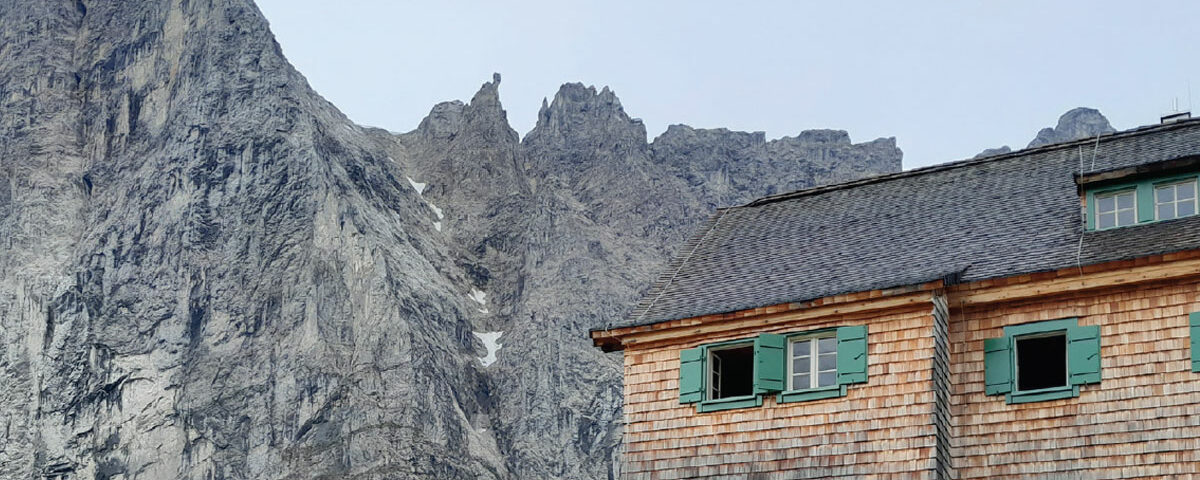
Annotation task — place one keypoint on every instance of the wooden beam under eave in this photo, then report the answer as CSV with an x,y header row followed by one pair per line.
x,y
604,338
1121,274
606,341
914,299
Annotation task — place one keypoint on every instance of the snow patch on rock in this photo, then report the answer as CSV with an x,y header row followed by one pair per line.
x,y
419,187
491,341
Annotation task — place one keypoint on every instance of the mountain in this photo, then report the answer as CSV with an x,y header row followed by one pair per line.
x,y
208,271
1077,123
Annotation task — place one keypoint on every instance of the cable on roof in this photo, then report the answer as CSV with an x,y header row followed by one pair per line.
x,y
663,290
1087,211
1081,160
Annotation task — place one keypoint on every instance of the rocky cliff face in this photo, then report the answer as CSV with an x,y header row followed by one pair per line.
x,y
733,167
207,271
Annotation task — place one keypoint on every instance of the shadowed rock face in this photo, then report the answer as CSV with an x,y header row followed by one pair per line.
x,y
207,271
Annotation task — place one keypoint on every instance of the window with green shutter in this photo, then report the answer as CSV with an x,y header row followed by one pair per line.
x,y
769,363
1194,323
820,364
691,375
801,366
1042,360
723,376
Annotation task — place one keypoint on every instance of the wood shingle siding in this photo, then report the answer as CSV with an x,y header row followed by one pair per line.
x,y
1141,420
881,429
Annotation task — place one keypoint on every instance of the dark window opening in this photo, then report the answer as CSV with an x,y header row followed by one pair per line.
x,y
1041,362
732,372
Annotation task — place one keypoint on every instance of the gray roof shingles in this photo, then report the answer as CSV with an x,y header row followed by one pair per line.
x,y
987,218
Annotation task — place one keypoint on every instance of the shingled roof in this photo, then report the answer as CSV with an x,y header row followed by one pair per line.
x,y
971,220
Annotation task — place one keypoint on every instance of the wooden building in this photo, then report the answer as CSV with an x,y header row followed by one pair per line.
x,y
1028,315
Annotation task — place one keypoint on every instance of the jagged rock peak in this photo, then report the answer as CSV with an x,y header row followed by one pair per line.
x,y
485,114
488,94
575,105
1077,123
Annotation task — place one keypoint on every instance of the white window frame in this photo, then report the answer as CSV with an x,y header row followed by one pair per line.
x,y
814,372
1016,359
714,370
1116,211
1175,202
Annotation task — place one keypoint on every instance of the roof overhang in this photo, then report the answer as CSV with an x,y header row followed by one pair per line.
x,y
860,303
1190,163
1141,271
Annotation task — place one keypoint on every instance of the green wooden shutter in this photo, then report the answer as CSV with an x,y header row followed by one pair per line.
x,y
852,355
997,365
691,375
1083,354
1195,324
770,364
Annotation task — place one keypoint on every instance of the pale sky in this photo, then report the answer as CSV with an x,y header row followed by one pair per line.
x,y
947,79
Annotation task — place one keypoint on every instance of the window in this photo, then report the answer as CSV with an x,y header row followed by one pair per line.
x,y
1116,209
813,362
1174,200
802,366
1042,360
731,371
1147,200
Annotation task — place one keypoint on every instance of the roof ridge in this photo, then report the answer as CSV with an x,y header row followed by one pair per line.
x,y
969,162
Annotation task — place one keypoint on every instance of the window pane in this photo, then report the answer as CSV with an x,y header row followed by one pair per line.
x,y
800,348
1125,217
826,379
1041,362
800,382
1106,220
1166,211
1105,204
800,365
827,362
1187,190
828,345
1164,194
1187,208
1125,200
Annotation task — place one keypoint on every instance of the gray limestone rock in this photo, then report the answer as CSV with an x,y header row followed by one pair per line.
x,y
1077,123
207,271
730,168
